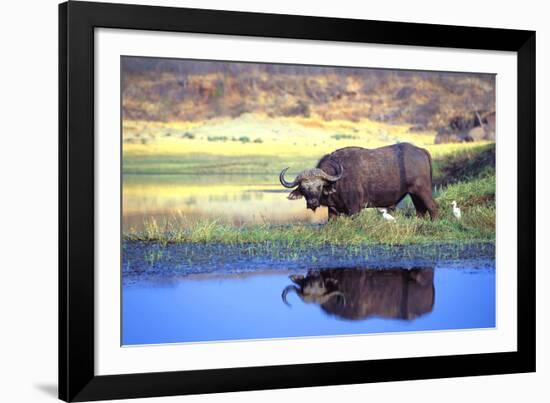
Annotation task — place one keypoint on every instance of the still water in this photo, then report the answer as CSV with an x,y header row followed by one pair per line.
x,y
169,304
235,199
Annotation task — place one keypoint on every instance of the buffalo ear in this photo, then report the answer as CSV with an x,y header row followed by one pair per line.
x,y
297,279
329,189
331,281
295,195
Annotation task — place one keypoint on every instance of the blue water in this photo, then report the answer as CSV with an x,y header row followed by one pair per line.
x,y
336,301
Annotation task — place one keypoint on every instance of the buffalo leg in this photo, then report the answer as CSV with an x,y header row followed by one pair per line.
x,y
428,203
354,209
419,205
332,213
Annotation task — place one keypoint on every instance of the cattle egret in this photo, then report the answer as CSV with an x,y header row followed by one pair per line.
x,y
456,210
386,216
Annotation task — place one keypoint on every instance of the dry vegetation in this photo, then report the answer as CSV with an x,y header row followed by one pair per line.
x,y
169,90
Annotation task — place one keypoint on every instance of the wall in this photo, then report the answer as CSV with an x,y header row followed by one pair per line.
x,y
28,227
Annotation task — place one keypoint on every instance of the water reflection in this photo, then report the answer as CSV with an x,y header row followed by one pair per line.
x,y
188,198
359,293
226,299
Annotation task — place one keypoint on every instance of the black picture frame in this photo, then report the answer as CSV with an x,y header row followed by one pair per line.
x,y
77,21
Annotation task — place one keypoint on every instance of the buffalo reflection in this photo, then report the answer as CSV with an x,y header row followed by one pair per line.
x,y
360,293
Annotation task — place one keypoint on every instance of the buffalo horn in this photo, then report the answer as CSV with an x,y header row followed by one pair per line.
x,y
339,172
286,291
284,182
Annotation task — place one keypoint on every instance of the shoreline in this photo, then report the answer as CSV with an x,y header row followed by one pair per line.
x,y
143,260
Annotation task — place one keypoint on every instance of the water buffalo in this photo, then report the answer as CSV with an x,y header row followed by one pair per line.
x,y
360,293
353,178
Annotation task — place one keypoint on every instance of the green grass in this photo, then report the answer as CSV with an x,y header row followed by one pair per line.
x,y
475,197
449,168
206,164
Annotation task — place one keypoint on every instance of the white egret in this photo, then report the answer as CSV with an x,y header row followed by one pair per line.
x,y
386,215
456,210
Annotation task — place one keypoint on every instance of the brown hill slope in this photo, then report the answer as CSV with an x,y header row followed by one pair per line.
x,y
182,90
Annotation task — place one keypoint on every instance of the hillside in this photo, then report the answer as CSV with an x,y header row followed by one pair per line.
x,y
166,90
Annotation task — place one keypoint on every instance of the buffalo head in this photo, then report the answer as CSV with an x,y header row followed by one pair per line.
x,y
313,289
312,184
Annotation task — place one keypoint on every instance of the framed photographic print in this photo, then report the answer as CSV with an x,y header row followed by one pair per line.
x,y
258,201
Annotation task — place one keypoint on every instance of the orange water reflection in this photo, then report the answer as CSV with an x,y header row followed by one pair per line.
x,y
189,199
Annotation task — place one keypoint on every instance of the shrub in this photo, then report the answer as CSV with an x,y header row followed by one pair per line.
x,y
299,109
339,136
217,138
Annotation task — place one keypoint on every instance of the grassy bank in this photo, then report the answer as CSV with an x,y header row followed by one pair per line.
x,y
467,177
464,165
367,228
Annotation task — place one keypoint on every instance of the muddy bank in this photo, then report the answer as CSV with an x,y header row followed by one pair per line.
x,y
142,260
